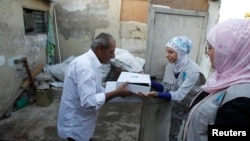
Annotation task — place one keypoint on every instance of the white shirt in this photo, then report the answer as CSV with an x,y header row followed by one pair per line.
x,y
82,97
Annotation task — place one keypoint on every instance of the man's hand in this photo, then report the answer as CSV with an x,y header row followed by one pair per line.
x,y
123,91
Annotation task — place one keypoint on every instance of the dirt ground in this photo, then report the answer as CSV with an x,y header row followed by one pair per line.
x,y
117,122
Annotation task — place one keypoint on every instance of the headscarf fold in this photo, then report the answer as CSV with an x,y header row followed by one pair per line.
x,y
182,45
231,42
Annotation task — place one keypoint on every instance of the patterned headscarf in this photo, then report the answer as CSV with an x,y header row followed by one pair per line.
x,y
182,45
231,42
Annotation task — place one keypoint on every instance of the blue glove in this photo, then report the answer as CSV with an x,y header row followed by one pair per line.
x,y
164,95
157,86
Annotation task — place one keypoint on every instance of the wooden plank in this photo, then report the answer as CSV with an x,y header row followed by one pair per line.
x,y
29,74
34,73
20,91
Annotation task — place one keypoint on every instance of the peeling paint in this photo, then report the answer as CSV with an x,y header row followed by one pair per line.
x,y
17,41
2,60
11,60
73,6
36,42
98,9
77,21
134,46
34,46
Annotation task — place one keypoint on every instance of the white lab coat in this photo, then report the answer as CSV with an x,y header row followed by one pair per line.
x,y
82,97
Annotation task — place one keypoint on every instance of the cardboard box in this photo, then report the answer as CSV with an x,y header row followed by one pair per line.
x,y
138,82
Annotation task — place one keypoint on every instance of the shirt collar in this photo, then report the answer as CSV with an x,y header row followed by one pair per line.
x,y
94,58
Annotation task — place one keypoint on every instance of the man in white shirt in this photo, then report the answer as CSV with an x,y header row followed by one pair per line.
x,y
83,94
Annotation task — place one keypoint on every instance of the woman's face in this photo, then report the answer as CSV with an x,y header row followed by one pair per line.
x,y
171,55
210,53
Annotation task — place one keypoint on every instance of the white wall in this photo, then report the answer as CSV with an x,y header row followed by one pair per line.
x,y
214,10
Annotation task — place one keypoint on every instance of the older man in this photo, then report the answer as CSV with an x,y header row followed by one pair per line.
x,y
83,94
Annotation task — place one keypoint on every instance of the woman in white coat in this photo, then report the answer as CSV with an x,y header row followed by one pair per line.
x,y
182,80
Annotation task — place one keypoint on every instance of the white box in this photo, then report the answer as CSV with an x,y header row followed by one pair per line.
x,y
112,85
137,82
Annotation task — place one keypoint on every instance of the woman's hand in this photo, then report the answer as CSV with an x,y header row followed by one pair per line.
x,y
149,95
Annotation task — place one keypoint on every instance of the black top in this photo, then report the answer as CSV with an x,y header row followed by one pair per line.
x,y
176,75
236,112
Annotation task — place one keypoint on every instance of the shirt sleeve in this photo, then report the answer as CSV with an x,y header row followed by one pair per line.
x,y
185,87
157,86
100,100
90,93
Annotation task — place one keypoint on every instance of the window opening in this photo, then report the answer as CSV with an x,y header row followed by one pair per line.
x,y
35,21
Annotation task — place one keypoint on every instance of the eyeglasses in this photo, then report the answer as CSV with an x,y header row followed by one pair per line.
x,y
208,48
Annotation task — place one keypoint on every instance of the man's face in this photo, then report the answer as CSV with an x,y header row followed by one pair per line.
x,y
171,55
107,54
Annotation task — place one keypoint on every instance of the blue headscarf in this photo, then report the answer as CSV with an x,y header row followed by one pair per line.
x,y
182,45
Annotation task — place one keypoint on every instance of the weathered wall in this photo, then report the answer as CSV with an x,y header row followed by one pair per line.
x,y
78,22
14,44
213,18
133,37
